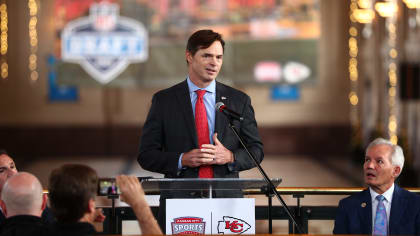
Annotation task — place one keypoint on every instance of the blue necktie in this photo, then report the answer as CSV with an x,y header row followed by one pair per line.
x,y
381,222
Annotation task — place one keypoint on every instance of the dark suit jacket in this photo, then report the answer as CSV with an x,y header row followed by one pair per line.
x,y
25,225
73,229
47,217
2,217
170,130
353,218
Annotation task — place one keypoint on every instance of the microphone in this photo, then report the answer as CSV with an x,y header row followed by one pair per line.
x,y
220,106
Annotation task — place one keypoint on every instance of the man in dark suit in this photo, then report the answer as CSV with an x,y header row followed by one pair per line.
x,y
23,202
172,144
384,208
113,189
7,170
7,167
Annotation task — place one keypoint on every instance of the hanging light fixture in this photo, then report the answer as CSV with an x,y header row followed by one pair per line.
x,y
412,3
364,16
386,9
4,67
33,39
389,10
353,67
364,3
363,13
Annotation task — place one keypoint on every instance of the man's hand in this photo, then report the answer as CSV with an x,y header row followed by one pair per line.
x,y
209,154
131,191
197,157
99,216
220,154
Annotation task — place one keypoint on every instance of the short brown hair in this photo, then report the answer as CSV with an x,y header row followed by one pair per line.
x,y
3,152
202,39
70,188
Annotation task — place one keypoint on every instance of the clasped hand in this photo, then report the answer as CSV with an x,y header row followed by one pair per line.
x,y
208,154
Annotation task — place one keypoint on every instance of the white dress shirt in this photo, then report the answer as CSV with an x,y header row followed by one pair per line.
x,y
387,203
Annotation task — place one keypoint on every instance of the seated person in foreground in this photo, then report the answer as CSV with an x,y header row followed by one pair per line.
x,y
72,191
23,203
384,208
7,170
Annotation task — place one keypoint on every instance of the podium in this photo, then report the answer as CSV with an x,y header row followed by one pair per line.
x,y
191,184
210,215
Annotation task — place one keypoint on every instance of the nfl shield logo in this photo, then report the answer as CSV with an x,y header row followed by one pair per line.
x,y
104,16
104,43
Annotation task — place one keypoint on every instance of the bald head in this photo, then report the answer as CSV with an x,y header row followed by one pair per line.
x,y
22,195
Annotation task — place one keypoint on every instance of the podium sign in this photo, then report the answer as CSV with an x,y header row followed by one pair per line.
x,y
210,216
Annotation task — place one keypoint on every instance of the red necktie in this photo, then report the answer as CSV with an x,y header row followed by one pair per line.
x,y
202,131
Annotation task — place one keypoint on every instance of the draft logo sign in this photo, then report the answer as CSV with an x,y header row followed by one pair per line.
x,y
104,43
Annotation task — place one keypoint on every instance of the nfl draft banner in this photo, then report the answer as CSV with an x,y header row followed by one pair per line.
x,y
210,216
104,43
141,43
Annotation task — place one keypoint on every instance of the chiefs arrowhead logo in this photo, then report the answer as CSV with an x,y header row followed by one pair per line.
x,y
231,225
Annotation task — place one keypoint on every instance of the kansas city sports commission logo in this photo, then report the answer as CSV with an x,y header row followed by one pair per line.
x,y
104,43
232,225
188,225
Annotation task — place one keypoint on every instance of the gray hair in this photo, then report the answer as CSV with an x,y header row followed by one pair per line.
x,y
397,155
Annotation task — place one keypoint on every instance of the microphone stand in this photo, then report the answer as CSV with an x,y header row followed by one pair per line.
x,y
270,184
113,221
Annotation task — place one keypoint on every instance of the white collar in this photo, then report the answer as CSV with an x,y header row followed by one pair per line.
x,y
192,87
387,194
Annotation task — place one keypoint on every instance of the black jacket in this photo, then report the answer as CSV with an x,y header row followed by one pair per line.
x,y
73,229
170,130
24,225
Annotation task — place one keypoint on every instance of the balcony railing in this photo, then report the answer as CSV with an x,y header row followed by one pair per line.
x,y
303,214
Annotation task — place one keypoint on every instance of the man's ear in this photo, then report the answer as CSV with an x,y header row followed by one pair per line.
x,y
397,171
44,201
91,205
188,56
3,207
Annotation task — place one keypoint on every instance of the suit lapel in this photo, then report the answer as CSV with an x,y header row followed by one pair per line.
x,y
365,212
2,217
184,101
398,206
221,122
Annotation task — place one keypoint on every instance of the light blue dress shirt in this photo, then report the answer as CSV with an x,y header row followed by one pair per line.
x,y
210,103
387,203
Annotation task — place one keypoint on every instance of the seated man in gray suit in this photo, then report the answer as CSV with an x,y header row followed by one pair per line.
x,y
384,208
